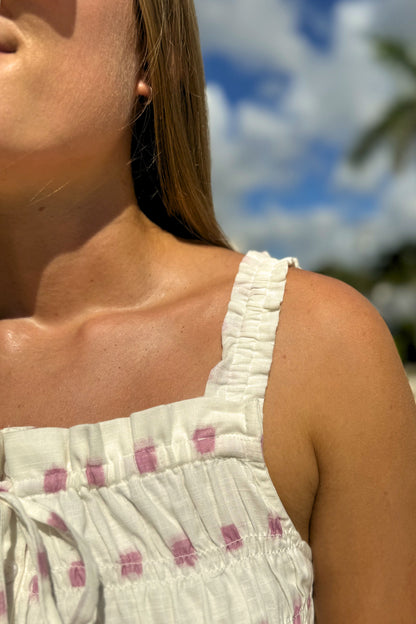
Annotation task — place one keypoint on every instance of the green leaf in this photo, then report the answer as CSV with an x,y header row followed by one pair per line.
x,y
401,115
395,52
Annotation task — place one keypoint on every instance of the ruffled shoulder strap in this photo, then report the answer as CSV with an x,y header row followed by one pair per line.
x,y
249,329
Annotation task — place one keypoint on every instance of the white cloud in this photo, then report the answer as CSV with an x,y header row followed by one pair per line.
x,y
365,178
254,34
338,93
324,234
331,97
251,147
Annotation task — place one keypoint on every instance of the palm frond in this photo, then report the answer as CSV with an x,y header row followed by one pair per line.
x,y
395,52
401,113
404,139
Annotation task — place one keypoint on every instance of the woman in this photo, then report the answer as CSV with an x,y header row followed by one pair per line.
x,y
152,473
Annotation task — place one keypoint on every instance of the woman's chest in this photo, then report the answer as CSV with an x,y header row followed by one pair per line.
x,y
62,385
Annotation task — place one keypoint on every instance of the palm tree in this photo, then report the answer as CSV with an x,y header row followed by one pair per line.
x,y
398,124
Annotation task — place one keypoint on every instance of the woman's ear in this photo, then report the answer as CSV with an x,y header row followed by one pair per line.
x,y
144,90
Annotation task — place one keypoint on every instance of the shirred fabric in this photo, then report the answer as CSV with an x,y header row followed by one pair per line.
x,y
166,516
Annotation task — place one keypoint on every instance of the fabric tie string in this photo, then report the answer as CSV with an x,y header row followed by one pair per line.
x,y
85,612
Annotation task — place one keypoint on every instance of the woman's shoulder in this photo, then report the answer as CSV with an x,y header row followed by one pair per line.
x,y
335,372
330,311
337,341
319,315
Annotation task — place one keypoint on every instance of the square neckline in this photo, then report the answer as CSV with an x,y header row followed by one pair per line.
x,y
172,404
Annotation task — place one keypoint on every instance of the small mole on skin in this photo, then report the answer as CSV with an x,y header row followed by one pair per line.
x,y
41,208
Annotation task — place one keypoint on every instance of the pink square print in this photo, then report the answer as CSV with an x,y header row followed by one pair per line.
x,y
43,563
297,609
56,522
131,563
204,440
95,474
184,552
146,458
54,480
77,574
34,588
231,537
275,526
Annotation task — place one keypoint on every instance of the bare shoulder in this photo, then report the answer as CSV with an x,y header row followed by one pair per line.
x,y
333,343
337,368
328,305
339,339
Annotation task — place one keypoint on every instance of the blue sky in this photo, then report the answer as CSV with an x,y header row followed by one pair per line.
x,y
291,84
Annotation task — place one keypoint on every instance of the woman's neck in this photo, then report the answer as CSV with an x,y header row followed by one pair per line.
x,y
65,255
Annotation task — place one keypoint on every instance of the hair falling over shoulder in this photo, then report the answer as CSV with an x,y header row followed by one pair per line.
x,y
171,161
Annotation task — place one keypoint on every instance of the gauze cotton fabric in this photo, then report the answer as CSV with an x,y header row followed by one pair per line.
x,y
166,516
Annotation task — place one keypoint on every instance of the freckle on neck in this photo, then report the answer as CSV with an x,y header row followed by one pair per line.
x,y
41,208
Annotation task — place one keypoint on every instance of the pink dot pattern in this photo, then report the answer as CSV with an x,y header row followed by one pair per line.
x,y
231,537
34,587
3,603
43,563
204,440
54,480
56,522
152,459
95,474
184,553
275,526
146,459
77,574
131,563
296,615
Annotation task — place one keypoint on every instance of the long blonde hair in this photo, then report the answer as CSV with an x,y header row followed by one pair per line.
x,y
171,161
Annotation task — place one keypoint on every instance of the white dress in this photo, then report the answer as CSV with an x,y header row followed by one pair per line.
x,y
166,516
